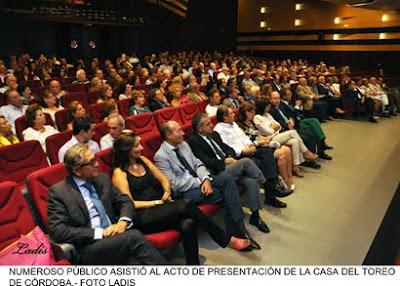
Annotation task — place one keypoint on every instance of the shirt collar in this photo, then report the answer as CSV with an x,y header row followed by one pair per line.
x,y
170,146
78,182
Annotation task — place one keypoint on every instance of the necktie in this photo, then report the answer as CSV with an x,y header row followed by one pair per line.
x,y
185,163
217,150
97,204
283,115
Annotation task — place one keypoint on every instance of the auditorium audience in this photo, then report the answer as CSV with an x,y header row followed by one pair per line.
x,y
232,101
55,89
80,77
194,94
82,132
14,109
115,126
356,94
11,83
75,110
139,103
37,128
333,101
150,192
125,91
313,107
105,93
51,104
215,101
178,98
157,100
7,137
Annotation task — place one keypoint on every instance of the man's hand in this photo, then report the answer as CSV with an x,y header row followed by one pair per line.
x,y
116,228
263,141
206,188
291,123
249,150
229,160
275,127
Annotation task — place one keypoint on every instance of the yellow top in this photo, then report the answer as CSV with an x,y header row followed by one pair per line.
x,y
4,141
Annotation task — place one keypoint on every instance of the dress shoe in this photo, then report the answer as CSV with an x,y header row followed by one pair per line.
x,y
275,203
327,147
324,156
372,120
311,164
283,192
259,223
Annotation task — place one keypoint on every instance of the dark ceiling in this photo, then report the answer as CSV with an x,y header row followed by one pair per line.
x,y
377,4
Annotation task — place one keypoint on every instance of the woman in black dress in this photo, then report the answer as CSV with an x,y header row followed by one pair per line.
x,y
150,191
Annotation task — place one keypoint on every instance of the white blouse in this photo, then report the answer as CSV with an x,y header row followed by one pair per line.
x,y
33,134
263,124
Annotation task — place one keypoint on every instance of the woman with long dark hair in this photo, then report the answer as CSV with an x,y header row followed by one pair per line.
x,y
150,192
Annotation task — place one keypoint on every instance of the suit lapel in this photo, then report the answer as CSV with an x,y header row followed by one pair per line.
x,y
76,194
172,155
203,142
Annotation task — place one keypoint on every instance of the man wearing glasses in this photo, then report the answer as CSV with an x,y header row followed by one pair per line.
x,y
87,211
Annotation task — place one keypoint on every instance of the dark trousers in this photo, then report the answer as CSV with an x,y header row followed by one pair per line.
x,y
129,248
309,140
224,189
332,104
369,104
185,217
319,110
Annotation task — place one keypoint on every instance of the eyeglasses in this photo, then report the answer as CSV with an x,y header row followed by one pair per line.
x,y
92,163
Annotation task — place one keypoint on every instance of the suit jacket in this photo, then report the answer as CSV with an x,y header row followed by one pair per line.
x,y
304,92
291,112
205,153
155,105
68,214
168,163
229,102
322,89
278,117
275,87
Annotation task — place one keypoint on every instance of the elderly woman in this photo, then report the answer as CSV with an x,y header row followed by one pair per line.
x,y
268,126
37,129
139,101
178,98
51,103
194,94
150,191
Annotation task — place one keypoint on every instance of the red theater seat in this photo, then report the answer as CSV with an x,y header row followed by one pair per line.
x,y
21,125
71,96
166,114
123,107
17,161
76,88
96,112
54,143
142,124
104,160
203,105
15,216
151,144
100,129
62,119
92,96
188,111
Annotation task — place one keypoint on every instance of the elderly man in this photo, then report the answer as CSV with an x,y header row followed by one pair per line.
x,y
87,211
55,89
333,101
13,109
10,84
80,77
191,180
313,107
116,126
219,157
82,131
7,137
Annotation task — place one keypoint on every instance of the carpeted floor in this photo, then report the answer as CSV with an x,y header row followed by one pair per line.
x,y
335,213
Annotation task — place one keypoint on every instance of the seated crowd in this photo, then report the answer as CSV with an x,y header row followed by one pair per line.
x,y
268,126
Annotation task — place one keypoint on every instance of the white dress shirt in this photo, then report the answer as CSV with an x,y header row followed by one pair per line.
x,y
233,136
11,113
92,145
107,141
211,110
33,134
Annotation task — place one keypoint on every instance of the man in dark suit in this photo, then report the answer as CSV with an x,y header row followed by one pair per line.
x,y
308,128
87,211
219,157
333,101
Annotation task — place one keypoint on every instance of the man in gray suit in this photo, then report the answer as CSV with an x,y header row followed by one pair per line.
x,y
88,212
191,180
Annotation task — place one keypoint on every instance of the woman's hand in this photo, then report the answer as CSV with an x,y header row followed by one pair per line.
x,y
167,197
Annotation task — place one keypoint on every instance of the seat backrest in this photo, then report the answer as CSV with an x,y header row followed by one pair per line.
x,y
202,105
104,158
123,107
71,96
62,119
142,124
151,144
39,183
54,143
17,161
188,111
92,96
35,84
96,112
75,87
15,216
21,125
100,129
167,114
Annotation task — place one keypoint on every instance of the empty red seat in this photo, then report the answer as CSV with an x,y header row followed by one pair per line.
x,y
188,111
151,144
17,161
104,159
167,114
71,96
142,124
92,96
21,125
96,112
54,143
123,107
15,216
35,84
62,119
100,129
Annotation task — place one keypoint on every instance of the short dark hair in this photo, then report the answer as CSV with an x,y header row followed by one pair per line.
x,y
213,91
30,113
196,121
261,105
82,123
222,112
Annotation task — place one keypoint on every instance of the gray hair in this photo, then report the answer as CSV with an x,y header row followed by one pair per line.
x,y
74,157
119,117
196,120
